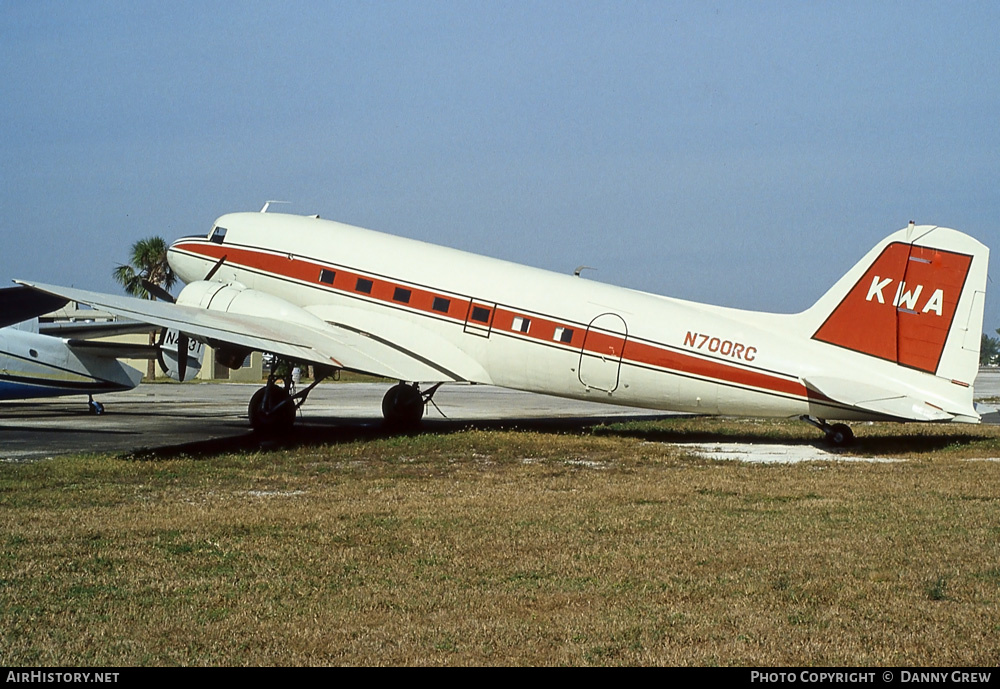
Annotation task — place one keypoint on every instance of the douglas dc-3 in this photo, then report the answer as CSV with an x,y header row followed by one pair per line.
x,y
896,338
55,359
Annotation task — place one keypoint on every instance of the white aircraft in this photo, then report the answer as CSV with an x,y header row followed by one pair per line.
x,y
896,338
56,359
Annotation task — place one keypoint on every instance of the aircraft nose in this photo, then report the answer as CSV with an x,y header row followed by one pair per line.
x,y
184,265
172,255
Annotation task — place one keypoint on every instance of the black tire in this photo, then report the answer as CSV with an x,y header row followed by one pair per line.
x,y
840,435
279,415
403,406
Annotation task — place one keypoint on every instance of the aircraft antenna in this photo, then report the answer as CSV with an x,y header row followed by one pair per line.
x,y
264,209
580,269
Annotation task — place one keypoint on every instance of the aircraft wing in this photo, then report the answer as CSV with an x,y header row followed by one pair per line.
x,y
876,399
22,303
404,336
114,350
330,346
81,330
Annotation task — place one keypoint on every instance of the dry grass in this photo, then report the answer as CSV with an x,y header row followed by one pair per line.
x,y
598,548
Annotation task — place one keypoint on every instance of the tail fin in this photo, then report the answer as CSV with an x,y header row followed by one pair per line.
x,y
916,300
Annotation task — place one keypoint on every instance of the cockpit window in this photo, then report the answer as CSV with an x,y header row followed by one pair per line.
x,y
218,235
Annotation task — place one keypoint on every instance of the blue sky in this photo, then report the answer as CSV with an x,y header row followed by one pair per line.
x,y
744,154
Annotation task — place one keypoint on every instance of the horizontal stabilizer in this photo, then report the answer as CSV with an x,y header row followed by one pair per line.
x,y
906,408
983,409
875,399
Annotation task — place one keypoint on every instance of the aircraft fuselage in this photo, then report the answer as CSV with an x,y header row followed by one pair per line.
x,y
34,365
484,320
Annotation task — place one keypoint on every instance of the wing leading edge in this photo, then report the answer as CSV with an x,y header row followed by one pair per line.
x,y
331,345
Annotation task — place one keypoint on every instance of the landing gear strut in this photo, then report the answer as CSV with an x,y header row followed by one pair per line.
x,y
403,405
272,408
95,407
838,434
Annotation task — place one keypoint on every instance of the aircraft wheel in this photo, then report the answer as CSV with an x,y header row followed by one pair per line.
x,y
96,408
271,410
403,406
840,435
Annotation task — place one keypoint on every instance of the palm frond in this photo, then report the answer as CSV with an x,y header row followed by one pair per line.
x,y
148,261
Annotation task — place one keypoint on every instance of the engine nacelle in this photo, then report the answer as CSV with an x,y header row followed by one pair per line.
x,y
238,299
231,357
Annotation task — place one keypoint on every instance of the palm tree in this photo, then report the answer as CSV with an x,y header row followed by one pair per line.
x,y
989,350
147,265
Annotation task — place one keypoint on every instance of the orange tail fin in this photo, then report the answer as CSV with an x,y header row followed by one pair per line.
x,y
916,300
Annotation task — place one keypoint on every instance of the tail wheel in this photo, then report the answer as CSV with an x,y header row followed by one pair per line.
x,y
840,435
403,406
271,410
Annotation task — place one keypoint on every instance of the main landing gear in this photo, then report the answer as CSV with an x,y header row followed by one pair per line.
x,y
95,407
272,408
403,405
838,434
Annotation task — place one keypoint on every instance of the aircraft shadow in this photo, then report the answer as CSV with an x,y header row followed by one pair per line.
x,y
884,444
316,432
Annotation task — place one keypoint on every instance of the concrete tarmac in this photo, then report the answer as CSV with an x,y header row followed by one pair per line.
x,y
166,418
211,417
987,385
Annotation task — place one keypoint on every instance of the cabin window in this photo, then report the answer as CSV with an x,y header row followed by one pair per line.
x,y
327,276
364,285
563,335
480,314
520,324
441,304
401,295
218,235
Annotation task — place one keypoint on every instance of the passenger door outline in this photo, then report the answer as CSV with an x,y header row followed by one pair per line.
x,y
602,351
